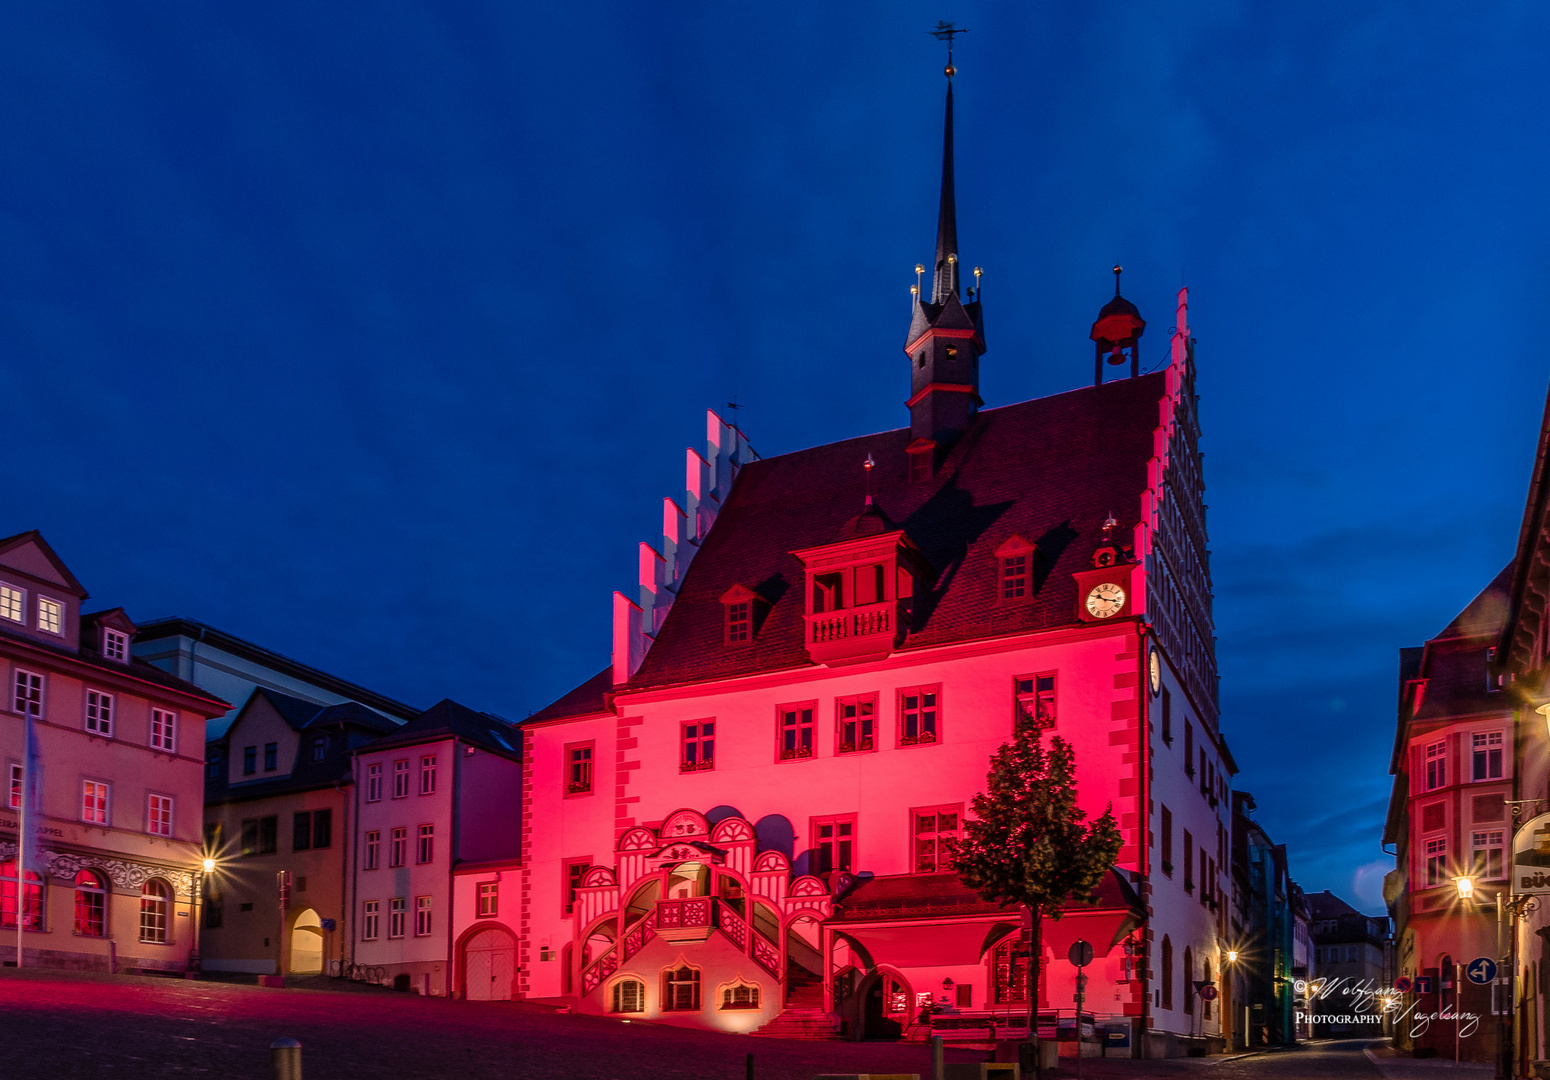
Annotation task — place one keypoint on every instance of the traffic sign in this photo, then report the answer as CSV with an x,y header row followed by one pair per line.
x,y
1423,984
1481,970
1080,953
1402,984
1208,992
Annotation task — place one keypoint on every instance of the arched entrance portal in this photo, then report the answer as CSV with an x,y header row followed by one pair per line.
x,y
307,944
885,1006
489,965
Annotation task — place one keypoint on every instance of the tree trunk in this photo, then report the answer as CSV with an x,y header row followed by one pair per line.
x,y
1035,955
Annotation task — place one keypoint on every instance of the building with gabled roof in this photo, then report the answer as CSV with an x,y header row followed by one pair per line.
x,y
278,799
1450,817
103,756
748,817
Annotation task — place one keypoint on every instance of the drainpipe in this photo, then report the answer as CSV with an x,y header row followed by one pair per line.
x,y
1144,787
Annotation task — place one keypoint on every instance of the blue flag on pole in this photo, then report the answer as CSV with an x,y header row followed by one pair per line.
x,y
32,799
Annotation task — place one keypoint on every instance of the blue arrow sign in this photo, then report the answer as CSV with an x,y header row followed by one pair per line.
x,y
1482,969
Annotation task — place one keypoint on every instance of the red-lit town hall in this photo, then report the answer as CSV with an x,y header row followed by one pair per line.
x,y
743,821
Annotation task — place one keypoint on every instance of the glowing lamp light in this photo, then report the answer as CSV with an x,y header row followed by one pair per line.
x,y
209,866
1232,956
1544,710
1466,887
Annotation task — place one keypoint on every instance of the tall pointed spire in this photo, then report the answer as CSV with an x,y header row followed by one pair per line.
x,y
944,282
946,336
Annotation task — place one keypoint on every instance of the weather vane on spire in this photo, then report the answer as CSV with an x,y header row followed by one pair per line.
x,y
945,31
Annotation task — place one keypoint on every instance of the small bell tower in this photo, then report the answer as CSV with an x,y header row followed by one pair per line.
x,y
946,337
1117,334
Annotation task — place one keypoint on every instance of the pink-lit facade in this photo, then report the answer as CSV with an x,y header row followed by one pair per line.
x,y
113,879
791,876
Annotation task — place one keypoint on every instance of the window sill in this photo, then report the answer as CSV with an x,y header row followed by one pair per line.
x,y
918,740
796,755
864,748
696,766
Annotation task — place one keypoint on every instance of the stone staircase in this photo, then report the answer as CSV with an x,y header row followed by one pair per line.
x,y
804,1016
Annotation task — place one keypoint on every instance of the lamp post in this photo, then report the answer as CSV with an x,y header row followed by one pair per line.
x,y
206,867
1513,908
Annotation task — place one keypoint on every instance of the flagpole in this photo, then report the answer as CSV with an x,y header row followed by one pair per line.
x,y
21,839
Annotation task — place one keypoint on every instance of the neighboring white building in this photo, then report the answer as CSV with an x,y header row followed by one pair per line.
x,y
443,791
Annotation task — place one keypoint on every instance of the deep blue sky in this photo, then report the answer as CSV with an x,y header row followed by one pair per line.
x,y
374,333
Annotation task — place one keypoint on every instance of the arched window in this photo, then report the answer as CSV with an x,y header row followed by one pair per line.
x,y
1009,973
629,996
681,990
1189,981
153,911
1167,973
91,904
32,898
740,996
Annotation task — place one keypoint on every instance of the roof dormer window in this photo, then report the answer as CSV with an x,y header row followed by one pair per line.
x,y
1014,578
741,610
858,591
13,603
115,645
51,616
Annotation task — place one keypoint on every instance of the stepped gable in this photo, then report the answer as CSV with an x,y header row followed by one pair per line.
x,y
1049,470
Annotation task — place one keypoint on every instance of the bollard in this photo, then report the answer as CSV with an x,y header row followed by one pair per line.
x,y
750,1067
936,1058
285,1059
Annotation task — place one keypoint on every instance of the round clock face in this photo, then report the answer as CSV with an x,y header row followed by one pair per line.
x,y
1105,600
1154,669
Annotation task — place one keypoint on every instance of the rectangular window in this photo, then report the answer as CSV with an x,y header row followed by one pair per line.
x,y
489,899
1167,716
159,815
94,802
249,760
1034,699
398,847
936,828
1437,861
1436,765
1493,680
698,746
371,920
1014,577
575,871
51,616
401,778
301,831
322,828
422,916
425,847
834,844
271,756
250,836
396,917
269,834
99,713
12,604
1488,853
32,897
27,694
1166,823
919,715
857,729
14,788
115,646
1434,817
320,748
796,730
374,783
578,761
1189,748
1189,858
1487,755
739,621
373,849
164,728
428,774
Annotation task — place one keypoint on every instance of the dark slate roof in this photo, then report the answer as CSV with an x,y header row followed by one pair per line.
x,y
448,718
1049,471
1326,905
588,698
135,668
356,726
1486,614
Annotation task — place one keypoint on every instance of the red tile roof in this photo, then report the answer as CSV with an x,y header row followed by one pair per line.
x,y
1049,470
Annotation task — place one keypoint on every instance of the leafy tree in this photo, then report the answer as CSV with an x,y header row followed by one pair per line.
x,y
1030,844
